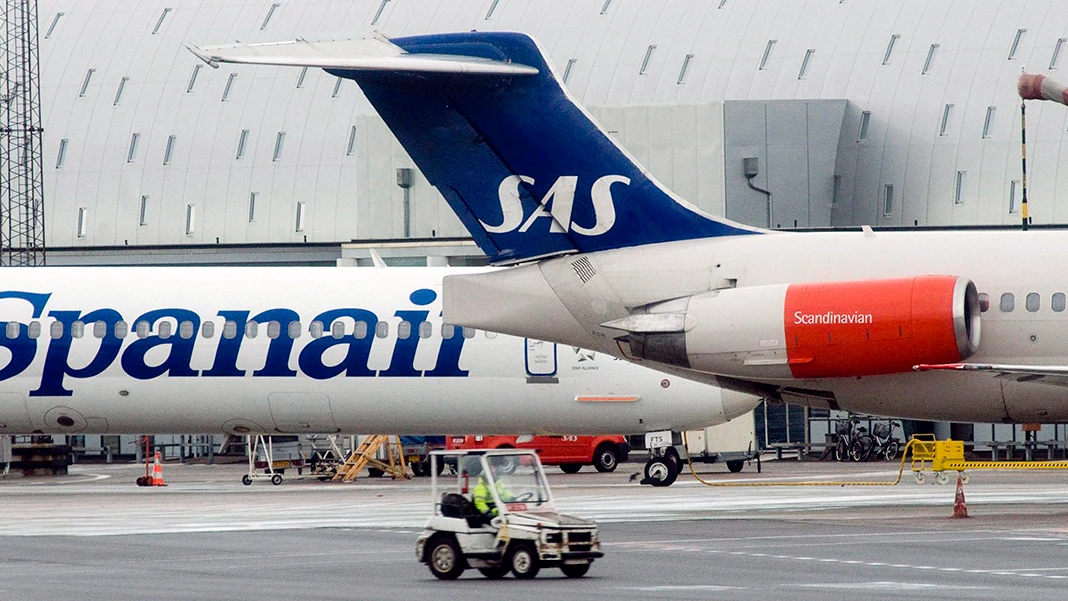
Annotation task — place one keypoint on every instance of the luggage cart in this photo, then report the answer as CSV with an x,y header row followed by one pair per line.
x,y
267,468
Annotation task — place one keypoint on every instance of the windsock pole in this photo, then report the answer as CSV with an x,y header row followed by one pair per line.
x,y
1023,160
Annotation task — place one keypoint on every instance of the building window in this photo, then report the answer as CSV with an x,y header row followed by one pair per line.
x,y
337,88
142,214
1014,196
52,27
648,56
722,3
947,113
168,154
229,86
270,13
865,120
159,22
61,157
890,48
685,66
1008,302
1056,58
888,200
567,69
929,63
351,148
193,78
242,144
190,219
85,82
300,78
493,7
131,154
252,207
83,221
767,54
118,92
279,142
300,217
988,123
1032,302
604,9
958,194
378,13
1057,302
1016,43
805,62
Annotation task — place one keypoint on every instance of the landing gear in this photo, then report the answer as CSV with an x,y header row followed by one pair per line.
x,y
660,471
664,463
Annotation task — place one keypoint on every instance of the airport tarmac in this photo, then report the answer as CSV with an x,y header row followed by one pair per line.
x,y
94,535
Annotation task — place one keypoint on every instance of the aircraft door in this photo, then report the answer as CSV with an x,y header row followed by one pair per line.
x,y
14,415
540,357
302,412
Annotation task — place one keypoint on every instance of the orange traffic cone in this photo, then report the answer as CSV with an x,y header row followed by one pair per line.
x,y
157,472
960,508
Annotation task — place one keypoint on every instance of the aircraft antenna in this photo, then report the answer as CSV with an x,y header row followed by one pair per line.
x,y
22,240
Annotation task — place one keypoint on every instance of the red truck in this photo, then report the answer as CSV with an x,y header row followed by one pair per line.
x,y
569,452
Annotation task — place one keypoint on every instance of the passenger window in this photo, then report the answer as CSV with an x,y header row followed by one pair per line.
x,y
382,329
469,332
448,331
984,302
35,330
164,329
1057,302
13,329
100,329
294,329
142,329
1008,302
56,330
77,329
337,329
229,329
207,329
274,329
316,329
361,330
252,329
185,329
122,329
404,330
425,329
1032,302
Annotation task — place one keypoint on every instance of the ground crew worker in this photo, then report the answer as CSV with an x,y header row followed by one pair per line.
x,y
482,497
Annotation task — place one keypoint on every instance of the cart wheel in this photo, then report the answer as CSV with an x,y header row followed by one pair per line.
x,y
941,478
523,560
660,472
276,479
420,470
445,560
246,480
374,472
920,477
494,573
735,465
964,477
575,570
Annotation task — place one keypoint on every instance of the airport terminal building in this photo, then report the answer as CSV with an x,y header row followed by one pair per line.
x,y
774,113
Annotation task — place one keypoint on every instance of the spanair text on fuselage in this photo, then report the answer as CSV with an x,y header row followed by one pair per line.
x,y
290,350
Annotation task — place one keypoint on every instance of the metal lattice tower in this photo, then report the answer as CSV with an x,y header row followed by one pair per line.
x,y
21,173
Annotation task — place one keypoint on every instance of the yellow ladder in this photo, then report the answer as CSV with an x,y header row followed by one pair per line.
x,y
365,456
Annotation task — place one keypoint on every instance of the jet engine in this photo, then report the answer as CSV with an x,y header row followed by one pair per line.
x,y
811,330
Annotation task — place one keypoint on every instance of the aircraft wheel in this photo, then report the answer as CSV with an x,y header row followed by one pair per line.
x,y
660,471
445,563
276,479
735,465
246,480
575,570
523,560
920,477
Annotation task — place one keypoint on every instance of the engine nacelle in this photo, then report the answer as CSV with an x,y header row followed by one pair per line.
x,y
815,330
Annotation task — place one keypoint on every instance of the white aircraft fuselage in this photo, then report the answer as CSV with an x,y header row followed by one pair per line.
x,y
292,350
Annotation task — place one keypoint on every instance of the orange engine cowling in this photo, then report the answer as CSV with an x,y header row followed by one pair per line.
x,y
873,327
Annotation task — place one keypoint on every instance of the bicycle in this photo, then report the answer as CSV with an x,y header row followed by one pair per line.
x,y
844,438
879,442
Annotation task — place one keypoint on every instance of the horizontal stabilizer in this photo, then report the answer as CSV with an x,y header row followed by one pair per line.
x,y
371,53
